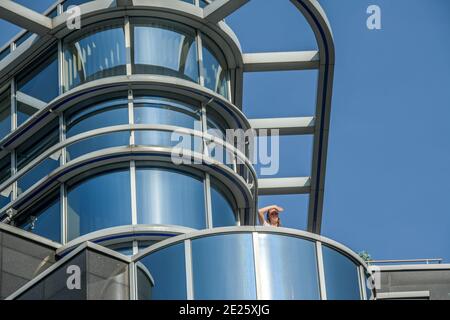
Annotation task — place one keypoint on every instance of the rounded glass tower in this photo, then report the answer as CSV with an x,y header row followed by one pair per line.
x,y
116,133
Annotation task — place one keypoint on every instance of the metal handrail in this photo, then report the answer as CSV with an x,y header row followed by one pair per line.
x,y
427,261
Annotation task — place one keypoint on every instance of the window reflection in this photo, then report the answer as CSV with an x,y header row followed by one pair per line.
x,y
288,268
34,147
5,173
222,210
5,113
214,69
223,267
156,189
341,276
166,50
101,115
43,218
36,88
167,267
100,54
100,202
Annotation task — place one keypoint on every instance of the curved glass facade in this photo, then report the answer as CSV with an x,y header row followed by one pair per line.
x,y
97,55
158,47
104,197
249,265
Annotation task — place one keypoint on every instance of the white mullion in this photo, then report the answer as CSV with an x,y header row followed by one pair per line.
x,y
133,281
208,203
63,208
321,271
127,29
133,193
13,104
200,59
188,266
256,256
131,115
60,67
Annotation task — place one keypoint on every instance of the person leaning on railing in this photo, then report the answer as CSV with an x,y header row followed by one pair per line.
x,y
272,218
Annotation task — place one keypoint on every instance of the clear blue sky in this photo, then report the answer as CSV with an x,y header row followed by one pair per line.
x,y
388,172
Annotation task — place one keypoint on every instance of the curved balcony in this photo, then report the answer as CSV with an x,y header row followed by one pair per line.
x,y
250,263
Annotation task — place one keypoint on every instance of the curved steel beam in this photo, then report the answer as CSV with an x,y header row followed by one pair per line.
x,y
318,21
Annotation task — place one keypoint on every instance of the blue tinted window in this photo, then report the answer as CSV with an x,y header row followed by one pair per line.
x,y
156,190
223,267
95,143
69,3
215,71
98,55
165,50
167,267
34,147
5,173
5,113
161,111
97,116
43,218
41,84
288,268
341,276
100,202
222,211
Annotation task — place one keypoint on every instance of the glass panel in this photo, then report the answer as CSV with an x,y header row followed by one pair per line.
x,y
106,114
43,218
40,84
37,173
156,189
23,38
222,211
167,267
4,53
100,142
100,202
223,267
203,3
154,110
341,276
5,173
288,268
215,72
100,54
5,113
144,283
166,50
34,147
69,3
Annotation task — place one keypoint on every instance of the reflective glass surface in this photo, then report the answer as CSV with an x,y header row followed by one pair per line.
x,y
223,267
100,54
99,202
5,113
215,72
34,147
43,218
101,115
288,268
165,50
341,276
5,173
167,267
155,192
222,211
100,142
42,82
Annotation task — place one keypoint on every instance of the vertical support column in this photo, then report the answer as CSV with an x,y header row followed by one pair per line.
x,y
133,282
189,275
63,208
131,115
60,67
128,44
13,104
133,193
208,202
362,282
200,59
257,266
321,270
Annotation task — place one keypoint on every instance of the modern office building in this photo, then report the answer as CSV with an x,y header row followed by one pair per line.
x,y
89,188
